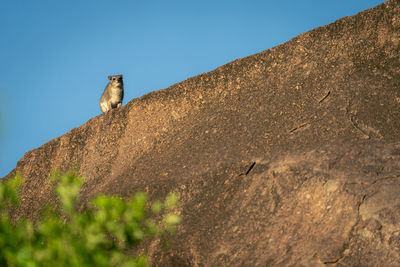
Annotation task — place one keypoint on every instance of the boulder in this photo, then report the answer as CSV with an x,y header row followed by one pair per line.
x,y
287,157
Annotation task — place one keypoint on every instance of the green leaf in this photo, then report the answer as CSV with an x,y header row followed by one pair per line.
x,y
157,206
172,219
171,201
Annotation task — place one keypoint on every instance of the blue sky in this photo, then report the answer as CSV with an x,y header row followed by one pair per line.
x,y
55,56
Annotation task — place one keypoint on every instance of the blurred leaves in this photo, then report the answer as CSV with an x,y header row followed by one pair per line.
x,y
96,236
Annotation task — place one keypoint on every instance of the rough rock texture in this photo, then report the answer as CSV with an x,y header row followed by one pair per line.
x,y
287,157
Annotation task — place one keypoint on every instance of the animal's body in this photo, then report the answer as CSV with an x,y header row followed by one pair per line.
x,y
113,94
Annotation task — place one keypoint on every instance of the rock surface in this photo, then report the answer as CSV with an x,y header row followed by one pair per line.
x,y
287,157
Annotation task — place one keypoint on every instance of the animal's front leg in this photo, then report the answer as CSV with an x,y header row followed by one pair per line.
x,y
109,106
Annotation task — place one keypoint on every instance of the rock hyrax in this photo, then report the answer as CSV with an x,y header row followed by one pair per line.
x,y
113,94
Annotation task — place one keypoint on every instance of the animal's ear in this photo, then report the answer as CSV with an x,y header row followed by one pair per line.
x,y
122,76
110,77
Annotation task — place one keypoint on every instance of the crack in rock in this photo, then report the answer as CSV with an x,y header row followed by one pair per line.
x,y
334,261
249,169
345,250
366,131
356,126
325,97
299,127
377,180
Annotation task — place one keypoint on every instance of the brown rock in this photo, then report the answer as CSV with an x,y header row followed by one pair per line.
x,y
287,157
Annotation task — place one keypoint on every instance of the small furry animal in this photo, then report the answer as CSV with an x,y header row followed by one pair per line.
x,y
113,94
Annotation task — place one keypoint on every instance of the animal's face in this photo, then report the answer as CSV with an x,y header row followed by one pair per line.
x,y
115,79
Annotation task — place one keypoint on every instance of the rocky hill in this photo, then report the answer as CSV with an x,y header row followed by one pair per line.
x,y
287,157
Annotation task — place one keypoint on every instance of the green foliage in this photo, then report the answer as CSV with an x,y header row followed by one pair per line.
x,y
65,236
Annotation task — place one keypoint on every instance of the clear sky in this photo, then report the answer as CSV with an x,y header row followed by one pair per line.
x,y
55,55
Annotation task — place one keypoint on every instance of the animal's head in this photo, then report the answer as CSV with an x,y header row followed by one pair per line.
x,y
116,79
